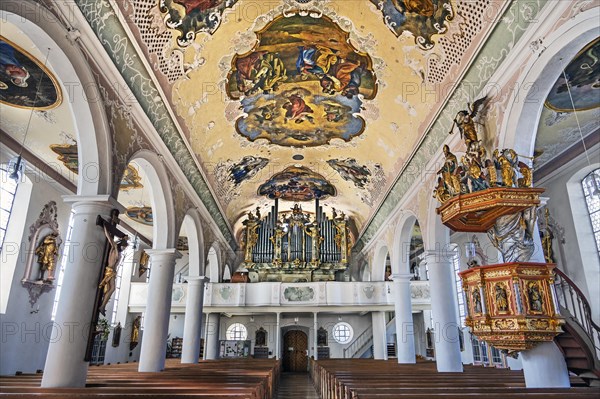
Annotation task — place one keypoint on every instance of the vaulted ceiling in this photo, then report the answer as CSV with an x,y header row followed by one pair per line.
x,y
302,99
295,99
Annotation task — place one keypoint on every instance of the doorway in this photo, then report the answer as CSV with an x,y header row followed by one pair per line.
x,y
295,351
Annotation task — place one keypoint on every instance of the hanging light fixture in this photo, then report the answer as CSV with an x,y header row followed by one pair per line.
x,y
16,166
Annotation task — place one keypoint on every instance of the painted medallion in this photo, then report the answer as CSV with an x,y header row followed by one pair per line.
x,y
24,81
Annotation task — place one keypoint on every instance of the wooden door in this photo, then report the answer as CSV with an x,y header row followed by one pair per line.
x,y
295,345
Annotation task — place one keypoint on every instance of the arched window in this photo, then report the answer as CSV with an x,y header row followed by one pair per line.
x,y
236,332
8,189
591,192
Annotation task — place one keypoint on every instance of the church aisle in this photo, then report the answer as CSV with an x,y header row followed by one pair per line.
x,y
296,385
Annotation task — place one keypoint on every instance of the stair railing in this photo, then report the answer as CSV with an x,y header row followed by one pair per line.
x,y
361,342
570,297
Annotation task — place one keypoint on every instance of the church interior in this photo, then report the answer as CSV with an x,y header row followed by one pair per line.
x,y
300,198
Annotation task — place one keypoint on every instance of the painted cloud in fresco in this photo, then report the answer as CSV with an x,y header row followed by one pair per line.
x,y
297,184
193,16
351,171
422,18
583,73
300,86
246,168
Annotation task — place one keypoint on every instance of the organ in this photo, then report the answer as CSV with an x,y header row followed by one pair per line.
x,y
295,246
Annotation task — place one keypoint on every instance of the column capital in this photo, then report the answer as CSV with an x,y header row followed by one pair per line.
x,y
401,278
438,255
98,200
164,252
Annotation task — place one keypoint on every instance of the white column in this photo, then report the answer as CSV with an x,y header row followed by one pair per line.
x,y
405,330
544,367
65,366
379,335
158,309
277,337
315,336
211,335
192,329
443,297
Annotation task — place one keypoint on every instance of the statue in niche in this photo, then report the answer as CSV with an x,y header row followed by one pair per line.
x,y
534,295
501,297
47,253
476,301
321,337
135,332
110,272
260,337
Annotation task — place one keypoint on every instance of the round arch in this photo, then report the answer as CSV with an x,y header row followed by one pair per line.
x,y
70,65
163,229
522,116
227,273
212,265
379,259
401,244
193,228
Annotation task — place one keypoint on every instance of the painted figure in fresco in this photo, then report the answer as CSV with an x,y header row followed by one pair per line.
x,y
476,301
141,214
335,112
198,5
464,120
297,110
344,77
270,74
316,60
350,170
501,298
246,71
425,8
11,68
47,252
110,271
535,297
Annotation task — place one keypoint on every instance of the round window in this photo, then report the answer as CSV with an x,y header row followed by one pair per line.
x,y
236,332
343,332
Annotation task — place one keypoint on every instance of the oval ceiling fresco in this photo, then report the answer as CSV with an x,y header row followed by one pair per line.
x,y
297,183
583,73
24,81
300,86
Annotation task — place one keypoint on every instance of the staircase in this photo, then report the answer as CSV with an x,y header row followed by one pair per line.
x,y
580,342
360,345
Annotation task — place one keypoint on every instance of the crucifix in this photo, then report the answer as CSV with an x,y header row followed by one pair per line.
x,y
111,257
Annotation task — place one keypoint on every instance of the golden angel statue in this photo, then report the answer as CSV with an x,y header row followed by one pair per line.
x,y
466,125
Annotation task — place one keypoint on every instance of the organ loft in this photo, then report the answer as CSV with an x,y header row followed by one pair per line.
x,y
296,245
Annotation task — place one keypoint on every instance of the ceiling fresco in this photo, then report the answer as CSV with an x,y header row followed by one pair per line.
x,y
421,18
299,87
299,99
297,183
559,128
583,73
24,80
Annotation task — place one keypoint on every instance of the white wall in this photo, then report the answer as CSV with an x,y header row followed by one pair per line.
x,y
26,331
